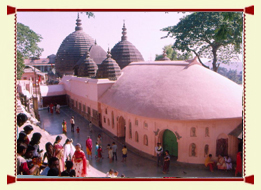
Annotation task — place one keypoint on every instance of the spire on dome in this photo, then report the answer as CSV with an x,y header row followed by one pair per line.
x,y
108,53
124,37
95,43
78,23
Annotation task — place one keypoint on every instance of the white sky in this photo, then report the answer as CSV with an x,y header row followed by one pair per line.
x,y
143,29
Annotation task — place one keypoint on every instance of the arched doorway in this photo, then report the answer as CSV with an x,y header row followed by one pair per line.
x,y
222,145
170,143
121,127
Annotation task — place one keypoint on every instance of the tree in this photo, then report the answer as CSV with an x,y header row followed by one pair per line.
x,y
173,54
231,74
27,46
213,35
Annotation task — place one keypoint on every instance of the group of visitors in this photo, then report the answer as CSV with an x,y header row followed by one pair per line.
x,y
54,108
62,160
224,163
166,158
113,173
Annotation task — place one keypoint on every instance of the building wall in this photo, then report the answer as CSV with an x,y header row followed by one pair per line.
x,y
182,129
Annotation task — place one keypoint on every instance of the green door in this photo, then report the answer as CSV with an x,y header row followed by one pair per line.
x,y
170,143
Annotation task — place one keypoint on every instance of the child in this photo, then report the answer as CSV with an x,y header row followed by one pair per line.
x,y
69,171
99,154
124,153
108,148
110,154
96,150
78,130
49,151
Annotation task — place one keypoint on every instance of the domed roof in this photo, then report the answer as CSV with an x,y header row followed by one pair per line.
x,y
109,68
73,47
174,90
125,52
86,67
97,53
164,56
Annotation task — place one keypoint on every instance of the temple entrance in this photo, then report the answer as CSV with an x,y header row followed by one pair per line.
x,y
170,143
121,128
222,145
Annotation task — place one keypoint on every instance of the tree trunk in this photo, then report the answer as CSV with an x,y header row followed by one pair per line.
x,y
214,63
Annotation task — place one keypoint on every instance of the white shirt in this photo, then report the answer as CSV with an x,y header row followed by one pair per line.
x,y
158,151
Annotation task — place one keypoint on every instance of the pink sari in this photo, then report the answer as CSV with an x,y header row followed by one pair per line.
x,y
80,164
58,152
89,146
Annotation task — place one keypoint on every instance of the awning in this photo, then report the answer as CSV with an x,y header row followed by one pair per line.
x,y
52,90
237,132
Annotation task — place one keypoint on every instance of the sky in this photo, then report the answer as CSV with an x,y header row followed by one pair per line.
x,y
143,29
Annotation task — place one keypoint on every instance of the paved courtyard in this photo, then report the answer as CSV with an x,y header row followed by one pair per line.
x,y
136,166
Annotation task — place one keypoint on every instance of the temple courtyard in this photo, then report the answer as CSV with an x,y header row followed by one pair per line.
x,y
138,164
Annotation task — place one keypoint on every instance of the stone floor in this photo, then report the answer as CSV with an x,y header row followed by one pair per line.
x,y
137,165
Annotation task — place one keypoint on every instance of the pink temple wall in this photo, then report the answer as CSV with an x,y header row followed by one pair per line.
x,y
216,128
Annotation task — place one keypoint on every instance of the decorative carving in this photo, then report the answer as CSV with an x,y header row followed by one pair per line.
x,y
177,135
156,132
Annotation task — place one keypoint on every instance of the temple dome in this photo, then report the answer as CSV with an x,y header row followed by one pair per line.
x,y
86,67
109,69
124,52
174,90
97,53
73,47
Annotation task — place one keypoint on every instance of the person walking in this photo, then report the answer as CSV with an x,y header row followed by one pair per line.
x,y
89,146
166,162
124,153
159,151
114,151
64,126
72,123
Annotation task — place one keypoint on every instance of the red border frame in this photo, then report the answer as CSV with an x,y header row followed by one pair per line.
x,y
246,10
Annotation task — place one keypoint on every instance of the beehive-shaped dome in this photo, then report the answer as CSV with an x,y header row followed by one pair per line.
x,y
73,47
109,68
86,67
97,53
125,52
164,56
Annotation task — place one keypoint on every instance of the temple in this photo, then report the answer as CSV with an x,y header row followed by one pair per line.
x,y
190,109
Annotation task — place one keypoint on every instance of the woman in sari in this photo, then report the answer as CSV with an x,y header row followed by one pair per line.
x,y
221,164
166,162
64,126
59,152
228,162
69,150
79,162
89,147
210,163
35,141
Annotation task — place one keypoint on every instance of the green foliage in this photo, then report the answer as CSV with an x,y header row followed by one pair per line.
x,y
209,35
27,46
173,54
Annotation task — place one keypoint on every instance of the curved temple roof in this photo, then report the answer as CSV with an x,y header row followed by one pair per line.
x,y
174,90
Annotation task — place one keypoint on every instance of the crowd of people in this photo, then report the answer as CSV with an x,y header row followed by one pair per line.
x,y
225,163
70,160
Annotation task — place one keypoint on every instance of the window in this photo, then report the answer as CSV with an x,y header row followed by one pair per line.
x,y
104,119
76,104
80,106
136,136
106,111
206,132
145,125
206,150
89,110
112,119
192,150
84,108
145,140
108,121
136,122
130,130
193,132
